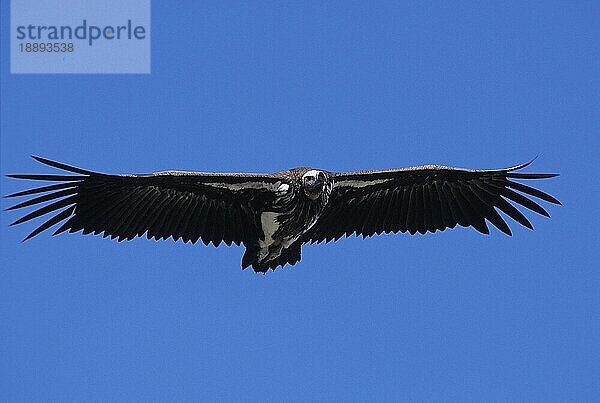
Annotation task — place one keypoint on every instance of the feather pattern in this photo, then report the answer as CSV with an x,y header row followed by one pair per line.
x,y
428,198
161,205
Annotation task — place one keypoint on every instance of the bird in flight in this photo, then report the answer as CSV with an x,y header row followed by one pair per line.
x,y
273,215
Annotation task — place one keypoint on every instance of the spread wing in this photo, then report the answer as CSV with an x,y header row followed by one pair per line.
x,y
426,198
188,205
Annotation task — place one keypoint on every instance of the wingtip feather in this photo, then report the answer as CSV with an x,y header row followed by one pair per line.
x,y
521,166
62,166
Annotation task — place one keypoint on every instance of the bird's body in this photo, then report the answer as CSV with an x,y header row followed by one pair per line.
x,y
291,213
272,215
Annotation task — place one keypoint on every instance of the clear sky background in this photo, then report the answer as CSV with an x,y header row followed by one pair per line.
x,y
341,86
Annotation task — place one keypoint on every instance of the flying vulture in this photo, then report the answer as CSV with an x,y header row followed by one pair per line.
x,y
273,215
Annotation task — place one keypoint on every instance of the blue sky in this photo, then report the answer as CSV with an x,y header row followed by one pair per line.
x,y
341,86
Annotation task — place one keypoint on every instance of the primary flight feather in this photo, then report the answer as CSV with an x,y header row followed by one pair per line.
x,y
273,215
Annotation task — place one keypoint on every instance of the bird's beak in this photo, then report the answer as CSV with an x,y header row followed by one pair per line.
x,y
314,189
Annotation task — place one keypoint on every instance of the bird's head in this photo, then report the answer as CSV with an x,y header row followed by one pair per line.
x,y
313,183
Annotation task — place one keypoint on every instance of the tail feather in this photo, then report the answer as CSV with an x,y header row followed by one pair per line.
x,y
291,255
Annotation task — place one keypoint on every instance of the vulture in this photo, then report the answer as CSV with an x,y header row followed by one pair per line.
x,y
273,215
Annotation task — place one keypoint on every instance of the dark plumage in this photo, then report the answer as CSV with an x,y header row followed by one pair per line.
x,y
272,215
